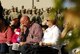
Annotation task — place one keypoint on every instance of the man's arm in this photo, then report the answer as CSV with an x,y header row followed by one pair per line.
x,y
35,34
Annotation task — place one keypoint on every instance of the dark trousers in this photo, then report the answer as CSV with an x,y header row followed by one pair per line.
x,y
47,50
4,48
13,51
29,49
2,53
36,49
63,50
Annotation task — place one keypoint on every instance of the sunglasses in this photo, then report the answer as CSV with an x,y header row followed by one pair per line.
x,y
47,20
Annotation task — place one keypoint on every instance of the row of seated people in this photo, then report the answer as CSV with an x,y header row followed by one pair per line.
x,y
28,37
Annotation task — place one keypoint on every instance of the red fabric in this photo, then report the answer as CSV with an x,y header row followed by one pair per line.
x,y
15,35
6,36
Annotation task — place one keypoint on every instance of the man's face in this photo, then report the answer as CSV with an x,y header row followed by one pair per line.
x,y
24,21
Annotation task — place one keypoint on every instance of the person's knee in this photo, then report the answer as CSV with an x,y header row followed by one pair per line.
x,y
55,51
23,48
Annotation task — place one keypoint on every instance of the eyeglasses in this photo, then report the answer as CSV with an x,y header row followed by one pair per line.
x,y
47,20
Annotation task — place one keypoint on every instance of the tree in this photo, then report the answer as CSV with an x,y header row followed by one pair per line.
x,y
74,39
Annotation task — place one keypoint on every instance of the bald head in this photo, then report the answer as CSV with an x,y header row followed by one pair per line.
x,y
25,21
25,17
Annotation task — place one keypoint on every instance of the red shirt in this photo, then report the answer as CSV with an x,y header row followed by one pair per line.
x,y
15,35
6,36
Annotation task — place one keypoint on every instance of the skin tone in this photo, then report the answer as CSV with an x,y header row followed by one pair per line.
x,y
71,21
25,22
49,23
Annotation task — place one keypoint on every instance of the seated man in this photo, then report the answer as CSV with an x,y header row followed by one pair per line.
x,y
33,34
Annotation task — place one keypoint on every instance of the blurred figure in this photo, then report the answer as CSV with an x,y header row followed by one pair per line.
x,y
5,36
15,25
29,14
71,22
38,17
22,10
6,15
33,17
17,9
32,33
51,36
45,15
13,13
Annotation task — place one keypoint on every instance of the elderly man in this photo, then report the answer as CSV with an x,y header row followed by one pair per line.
x,y
31,34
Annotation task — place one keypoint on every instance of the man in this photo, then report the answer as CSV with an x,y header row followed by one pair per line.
x,y
33,35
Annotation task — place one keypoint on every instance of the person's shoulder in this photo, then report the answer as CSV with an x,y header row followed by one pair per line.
x,y
55,27
9,28
36,24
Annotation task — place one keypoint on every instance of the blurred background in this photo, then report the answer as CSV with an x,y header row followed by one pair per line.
x,y
27,3
67,13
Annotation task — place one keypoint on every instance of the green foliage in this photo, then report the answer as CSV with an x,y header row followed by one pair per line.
x,y
74,40
58,4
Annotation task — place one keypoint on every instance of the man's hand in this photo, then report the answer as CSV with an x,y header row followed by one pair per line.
x,y
22,43
45,44
48,44
40,43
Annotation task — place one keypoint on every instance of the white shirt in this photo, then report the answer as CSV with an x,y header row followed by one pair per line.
x,y
51,35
